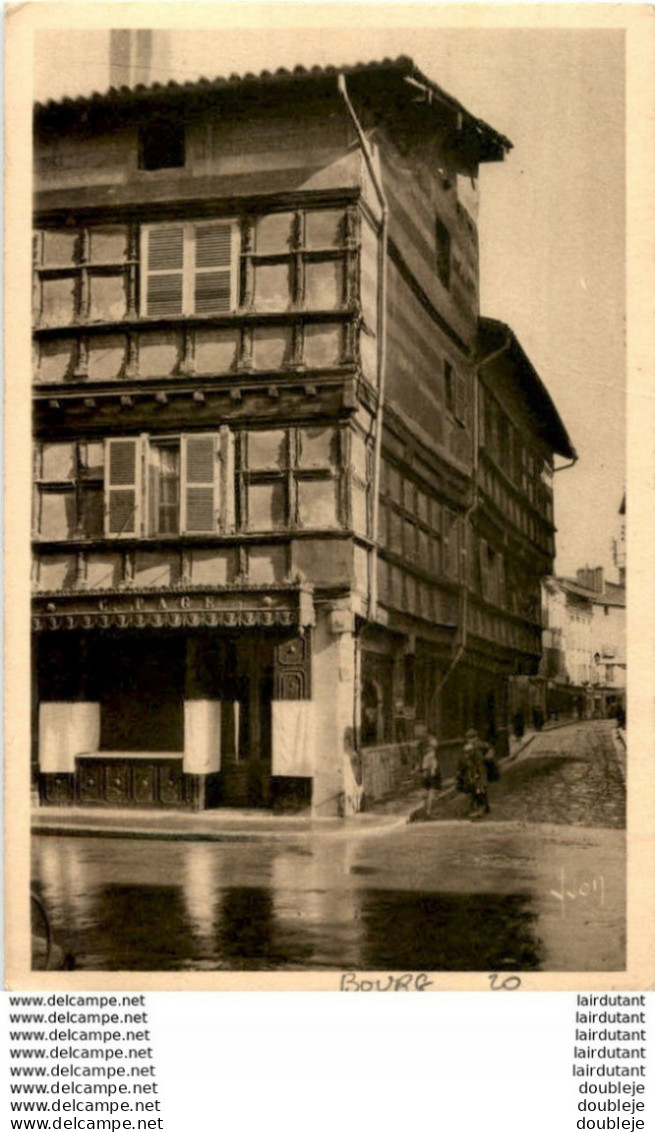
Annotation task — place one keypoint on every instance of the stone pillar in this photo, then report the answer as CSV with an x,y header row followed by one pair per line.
x,y
335,788
66,730
202,736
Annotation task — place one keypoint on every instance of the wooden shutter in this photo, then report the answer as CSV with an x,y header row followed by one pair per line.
x,y
200,466
163,255
214,268
123,486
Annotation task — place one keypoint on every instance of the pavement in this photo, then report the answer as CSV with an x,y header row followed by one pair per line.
x,y
209,825
239,825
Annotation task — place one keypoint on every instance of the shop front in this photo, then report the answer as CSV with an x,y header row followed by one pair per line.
x,y
176,702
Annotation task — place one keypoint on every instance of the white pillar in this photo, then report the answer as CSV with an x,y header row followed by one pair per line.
x,y
66,730
202,736
333,685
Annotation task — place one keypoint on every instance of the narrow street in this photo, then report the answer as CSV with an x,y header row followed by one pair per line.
x,y
568,775
539,885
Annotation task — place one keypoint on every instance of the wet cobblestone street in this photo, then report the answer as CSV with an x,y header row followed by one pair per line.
x,y
567,776
538,886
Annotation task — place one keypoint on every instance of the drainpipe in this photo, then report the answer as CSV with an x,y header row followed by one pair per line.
x,y
381,343
470,510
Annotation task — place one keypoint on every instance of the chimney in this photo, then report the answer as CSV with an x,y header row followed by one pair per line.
x,y
599,581
130,56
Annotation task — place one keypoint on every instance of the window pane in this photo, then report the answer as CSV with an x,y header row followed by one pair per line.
x,y
273,233
92,507
324,229
394,483
324,285
57,514
108,245
318,448
360,511
408,495
358,455
267,449
272,286
59,247
57,359
58,305
317,503
107,297
409,538
266,506
93,459
323,345
395,532
58,462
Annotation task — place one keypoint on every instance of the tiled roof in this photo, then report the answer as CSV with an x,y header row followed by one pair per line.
x,y
492,144
613,595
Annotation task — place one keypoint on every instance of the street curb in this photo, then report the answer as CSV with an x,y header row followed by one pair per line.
x,y
237,836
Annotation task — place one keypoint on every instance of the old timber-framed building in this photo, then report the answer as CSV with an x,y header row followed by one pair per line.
x,y
291,495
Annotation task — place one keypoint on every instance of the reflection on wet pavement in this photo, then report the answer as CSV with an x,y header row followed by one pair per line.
x,y
432,897
258,908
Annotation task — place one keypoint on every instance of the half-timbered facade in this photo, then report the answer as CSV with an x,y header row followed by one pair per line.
x,y
266,498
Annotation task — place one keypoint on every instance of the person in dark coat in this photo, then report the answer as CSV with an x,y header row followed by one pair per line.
x,y
472,774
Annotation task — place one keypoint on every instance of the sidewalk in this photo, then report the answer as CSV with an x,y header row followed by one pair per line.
x,y
232,825
412,800
208,825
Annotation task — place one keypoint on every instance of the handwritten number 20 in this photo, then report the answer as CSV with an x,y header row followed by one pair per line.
x,y
511,982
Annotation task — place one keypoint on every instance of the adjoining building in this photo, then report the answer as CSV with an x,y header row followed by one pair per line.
x,y
584,662
292,496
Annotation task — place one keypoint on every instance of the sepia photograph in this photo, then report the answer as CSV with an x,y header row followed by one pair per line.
x,y
328,499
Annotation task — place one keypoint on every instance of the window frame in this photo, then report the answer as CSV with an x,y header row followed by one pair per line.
x,y
189,271
77,486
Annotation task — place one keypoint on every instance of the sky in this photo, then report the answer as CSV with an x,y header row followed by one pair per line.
x,y
552,215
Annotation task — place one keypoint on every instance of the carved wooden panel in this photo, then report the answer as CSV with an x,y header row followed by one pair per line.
x,y
57,789
144,783
90,782
117,789
171,785
292,669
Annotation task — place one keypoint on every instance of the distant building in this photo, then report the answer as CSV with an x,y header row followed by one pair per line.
x,y
584,661
292,496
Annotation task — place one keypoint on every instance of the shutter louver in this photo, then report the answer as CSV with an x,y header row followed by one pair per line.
x,y
165,263
122,487
213,278
200,466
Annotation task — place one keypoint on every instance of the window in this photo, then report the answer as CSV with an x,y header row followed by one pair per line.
x,y
443,252
289,478
188,488
69,490
189,268
161,144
